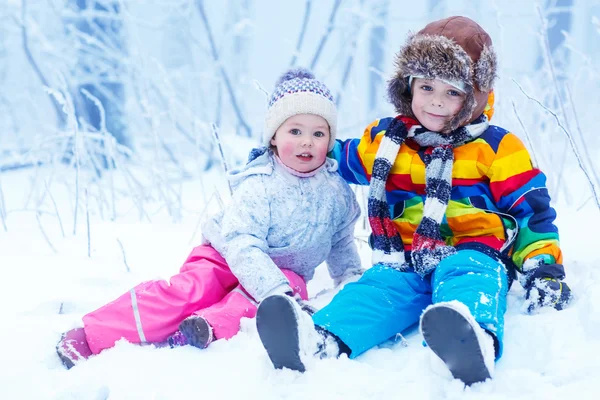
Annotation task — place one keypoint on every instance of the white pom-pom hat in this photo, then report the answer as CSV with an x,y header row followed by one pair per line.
x,y
298,92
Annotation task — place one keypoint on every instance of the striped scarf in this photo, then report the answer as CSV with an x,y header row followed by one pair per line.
x,y
428,247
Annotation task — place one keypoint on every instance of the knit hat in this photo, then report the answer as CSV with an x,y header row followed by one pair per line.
x,y
298,92
455,49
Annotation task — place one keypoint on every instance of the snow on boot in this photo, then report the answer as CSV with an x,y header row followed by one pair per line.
x,y
456,338
73,347
288,334
197,331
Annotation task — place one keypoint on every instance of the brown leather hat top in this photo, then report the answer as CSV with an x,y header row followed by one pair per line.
x,y
467,33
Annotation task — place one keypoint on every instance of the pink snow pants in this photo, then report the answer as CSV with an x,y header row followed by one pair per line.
x,y
153,310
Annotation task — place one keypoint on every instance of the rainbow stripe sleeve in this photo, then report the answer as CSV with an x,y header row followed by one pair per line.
x,y
520,190
356,156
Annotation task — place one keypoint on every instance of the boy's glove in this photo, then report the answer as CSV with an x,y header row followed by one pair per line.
x,y
545,287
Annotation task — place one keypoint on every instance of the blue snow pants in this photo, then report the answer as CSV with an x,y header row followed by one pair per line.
x,y
385,301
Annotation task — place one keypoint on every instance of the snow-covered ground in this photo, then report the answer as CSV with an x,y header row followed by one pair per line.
x,y
551,355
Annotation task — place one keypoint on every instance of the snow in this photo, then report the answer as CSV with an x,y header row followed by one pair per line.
x,y
549,355
484,299
49,282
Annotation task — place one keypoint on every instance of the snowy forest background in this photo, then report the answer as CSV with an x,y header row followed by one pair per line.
x,y
108,162
135,88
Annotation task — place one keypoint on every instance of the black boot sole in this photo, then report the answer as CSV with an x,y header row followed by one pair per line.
x,y
197,332
66,361
277,326
449,335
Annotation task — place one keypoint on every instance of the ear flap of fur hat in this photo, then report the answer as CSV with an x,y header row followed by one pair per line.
x,y
452,49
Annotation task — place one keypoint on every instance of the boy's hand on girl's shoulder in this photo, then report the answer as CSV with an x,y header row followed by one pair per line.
x,y
545,287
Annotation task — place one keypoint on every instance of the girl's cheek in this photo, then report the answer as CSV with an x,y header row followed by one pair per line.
x,y
322,154
287,149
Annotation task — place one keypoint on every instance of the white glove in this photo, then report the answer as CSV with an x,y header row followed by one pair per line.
x,y
348,276
283,289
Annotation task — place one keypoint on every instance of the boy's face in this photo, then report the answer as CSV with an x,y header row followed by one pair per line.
x,y
302,141
434,102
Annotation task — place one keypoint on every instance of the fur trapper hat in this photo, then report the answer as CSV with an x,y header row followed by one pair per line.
x,y
455,49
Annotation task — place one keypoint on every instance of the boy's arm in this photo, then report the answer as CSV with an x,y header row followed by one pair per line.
x,y
343,260
520,190
244,227
356,156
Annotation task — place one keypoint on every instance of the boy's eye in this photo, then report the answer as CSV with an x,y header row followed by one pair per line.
x,y
295,131
319,134
453,92
426,88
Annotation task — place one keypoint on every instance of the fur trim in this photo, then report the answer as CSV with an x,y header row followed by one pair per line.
x,y
435,57
465,113
399,95
431,57
484,73
438,57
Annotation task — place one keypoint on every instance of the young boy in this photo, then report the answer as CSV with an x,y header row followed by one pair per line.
x,y
455,206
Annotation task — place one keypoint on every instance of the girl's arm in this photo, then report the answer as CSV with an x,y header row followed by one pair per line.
x,y
343,260
244,227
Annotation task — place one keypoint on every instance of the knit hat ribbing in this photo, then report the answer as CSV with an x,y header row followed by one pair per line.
x,y
298,92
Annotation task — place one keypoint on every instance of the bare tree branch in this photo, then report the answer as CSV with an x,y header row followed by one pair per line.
x,y
124,256
526,131
2,207
217,139
55,209
37,216
224,76
570,137
87,222
307,8
548,57
24,36
326,35
581,137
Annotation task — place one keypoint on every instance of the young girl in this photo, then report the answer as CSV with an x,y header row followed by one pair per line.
x,y
467,208
290,211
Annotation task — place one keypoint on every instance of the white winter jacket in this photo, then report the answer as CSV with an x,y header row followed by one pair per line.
x,y
278,220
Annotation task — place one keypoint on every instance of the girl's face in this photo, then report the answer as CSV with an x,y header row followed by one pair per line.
x,y
435,102
302,141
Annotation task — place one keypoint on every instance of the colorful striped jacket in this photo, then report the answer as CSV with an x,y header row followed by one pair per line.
x,y
498,199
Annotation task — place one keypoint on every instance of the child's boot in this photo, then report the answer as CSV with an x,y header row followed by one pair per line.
x,y
73,347
452,333
289,335
177,339
196,331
